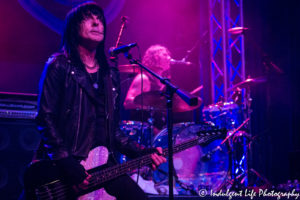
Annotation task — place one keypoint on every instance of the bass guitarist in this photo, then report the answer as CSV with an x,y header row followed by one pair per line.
x,y
78,105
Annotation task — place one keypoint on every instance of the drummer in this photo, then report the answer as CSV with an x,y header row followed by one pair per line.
x,y
157,58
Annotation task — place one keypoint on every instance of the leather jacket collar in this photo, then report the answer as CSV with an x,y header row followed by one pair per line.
x,y
82,77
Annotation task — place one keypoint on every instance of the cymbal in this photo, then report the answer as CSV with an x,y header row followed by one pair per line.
x,y
156,100
181,106
151,99
248,82
130,68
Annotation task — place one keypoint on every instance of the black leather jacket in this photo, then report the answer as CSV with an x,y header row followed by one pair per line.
x,y
67,113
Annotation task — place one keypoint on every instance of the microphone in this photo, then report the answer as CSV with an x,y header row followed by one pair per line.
x,y
180,62
121,49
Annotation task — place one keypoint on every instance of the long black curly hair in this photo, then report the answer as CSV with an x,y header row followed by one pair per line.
x,y
70,38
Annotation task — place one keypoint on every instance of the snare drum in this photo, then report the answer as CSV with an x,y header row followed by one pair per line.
x,y
192,167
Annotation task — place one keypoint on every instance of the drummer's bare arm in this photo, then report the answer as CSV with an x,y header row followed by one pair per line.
x,y
135,90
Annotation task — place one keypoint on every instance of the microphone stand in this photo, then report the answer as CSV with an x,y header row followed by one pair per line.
x,y
170,90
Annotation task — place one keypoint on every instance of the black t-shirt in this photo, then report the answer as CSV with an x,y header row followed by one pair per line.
x,y
100,136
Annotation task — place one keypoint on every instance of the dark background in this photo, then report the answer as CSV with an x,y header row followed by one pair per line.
x,y
273,36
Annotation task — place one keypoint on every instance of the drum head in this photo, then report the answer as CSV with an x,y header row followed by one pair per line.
x,y
192,166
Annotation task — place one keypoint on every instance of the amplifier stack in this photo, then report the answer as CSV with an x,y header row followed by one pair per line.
x,y
18,140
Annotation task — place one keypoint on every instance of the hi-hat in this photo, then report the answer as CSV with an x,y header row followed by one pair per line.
x,y
248,82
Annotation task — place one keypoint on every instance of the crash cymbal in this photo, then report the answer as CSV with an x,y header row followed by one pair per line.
x,y
156,100
130,68
248,82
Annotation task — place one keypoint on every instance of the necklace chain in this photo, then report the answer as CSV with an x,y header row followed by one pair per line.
x,y
95,83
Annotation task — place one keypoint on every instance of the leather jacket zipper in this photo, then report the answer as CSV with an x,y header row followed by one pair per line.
x,y
78,123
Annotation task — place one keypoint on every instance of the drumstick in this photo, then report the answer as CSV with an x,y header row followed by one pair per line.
x,y
235,130
197,89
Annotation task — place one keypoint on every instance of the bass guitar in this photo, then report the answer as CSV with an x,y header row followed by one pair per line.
x,y
42,179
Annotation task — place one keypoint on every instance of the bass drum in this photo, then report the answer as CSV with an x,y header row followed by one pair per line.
x,y
194,169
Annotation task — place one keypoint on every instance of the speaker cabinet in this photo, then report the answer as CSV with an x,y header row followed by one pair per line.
x,y
18,141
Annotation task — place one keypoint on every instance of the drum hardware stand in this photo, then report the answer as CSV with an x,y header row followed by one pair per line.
x,y
237,181
247,148
151,122
248,114
181,184
170,90
242,179
186,187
